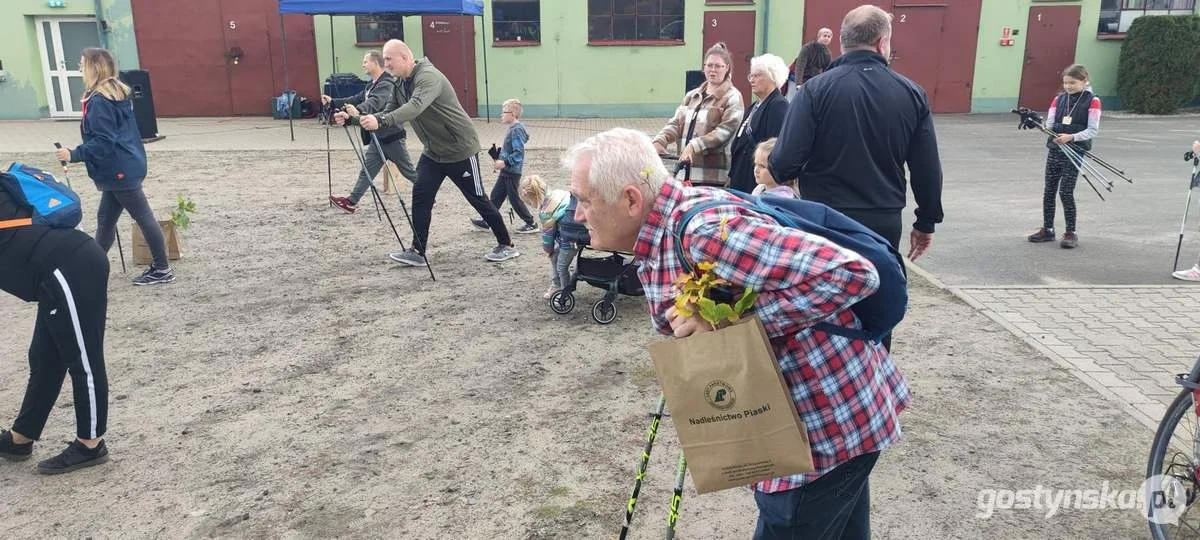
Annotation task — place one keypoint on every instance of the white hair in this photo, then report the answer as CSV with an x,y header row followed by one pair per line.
x,y
619,157
771,65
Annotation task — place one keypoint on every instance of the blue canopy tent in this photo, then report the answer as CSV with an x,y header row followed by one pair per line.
x,y
367,7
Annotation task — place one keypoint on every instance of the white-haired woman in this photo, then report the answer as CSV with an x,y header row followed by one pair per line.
x,y
764,120
704,123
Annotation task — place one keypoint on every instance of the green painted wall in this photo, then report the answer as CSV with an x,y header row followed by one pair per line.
x,y
23,95
996,88
564,76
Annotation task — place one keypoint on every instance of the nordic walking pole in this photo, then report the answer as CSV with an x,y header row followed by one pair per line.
x,y
375,196
651,433
673,515
66,173
363,160
329,156
388,171
1066,152
1183,223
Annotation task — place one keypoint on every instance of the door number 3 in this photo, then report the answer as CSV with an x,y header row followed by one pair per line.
x,y
714,23
232,25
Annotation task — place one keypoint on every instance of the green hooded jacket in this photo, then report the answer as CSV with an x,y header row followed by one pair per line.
x,y
428,102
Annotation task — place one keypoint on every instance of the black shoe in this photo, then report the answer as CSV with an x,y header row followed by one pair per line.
x,y
480,225
12,451
153,276
1042,235
75,457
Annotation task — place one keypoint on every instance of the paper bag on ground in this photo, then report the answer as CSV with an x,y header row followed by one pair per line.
x,y
141,250
731,407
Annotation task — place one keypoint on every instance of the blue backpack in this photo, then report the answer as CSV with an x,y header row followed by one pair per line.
x,y
52,203
878,313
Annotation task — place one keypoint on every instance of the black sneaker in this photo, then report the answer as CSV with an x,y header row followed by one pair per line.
x,y
480,225
528,228
154,276
1042,235
75,457
12,451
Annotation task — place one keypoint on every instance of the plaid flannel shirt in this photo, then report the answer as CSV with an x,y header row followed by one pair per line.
x,y
848,392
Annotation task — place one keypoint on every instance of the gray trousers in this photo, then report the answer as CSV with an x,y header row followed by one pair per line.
x,y
133,201
396,152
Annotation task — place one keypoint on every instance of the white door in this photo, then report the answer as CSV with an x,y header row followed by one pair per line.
x,y
61,41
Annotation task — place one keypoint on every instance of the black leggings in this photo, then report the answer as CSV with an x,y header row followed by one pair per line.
x,y
68,338
111,204
508,185
465,175
1060,177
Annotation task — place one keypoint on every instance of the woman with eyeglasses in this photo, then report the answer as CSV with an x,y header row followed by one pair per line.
x,y
763,120
705,122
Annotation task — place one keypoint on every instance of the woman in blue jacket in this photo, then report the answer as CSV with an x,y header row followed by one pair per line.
x,y
116,161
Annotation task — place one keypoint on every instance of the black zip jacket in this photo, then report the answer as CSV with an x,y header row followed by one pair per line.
x,y
849,133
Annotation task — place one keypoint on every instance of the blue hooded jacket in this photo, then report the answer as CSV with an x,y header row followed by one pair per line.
x,y
112,146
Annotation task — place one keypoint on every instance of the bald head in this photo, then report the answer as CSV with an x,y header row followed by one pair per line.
x,y
867,28
398,59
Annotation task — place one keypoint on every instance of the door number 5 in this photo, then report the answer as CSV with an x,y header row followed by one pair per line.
x,y
903,17
232,25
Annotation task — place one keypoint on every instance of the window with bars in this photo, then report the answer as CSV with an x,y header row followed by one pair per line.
x,y
377,29
517,21
1117,15
635,21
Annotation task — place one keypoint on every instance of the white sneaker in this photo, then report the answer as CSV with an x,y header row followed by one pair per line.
x,y
1191,274
550,292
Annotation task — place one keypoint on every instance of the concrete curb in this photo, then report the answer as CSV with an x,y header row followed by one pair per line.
x,y
1060,361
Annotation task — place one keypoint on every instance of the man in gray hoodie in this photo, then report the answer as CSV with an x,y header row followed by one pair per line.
x,y
428,102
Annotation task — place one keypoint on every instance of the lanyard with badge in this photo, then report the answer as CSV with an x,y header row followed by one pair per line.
x,y
1071,109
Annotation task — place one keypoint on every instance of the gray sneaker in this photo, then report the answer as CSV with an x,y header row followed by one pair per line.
x,y
409,257
502,253
528,228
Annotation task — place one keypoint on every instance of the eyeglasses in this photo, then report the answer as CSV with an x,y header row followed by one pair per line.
x,y
755,75
714,66
506,112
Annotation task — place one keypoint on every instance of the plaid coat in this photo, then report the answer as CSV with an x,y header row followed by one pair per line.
x,y
718,113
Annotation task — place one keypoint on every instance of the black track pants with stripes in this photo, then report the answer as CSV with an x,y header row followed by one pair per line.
x,y
465,175
68,338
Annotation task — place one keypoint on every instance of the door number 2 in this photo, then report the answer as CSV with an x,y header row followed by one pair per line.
x,y
903,17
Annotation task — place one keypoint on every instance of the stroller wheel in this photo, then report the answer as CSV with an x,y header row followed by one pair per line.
x,y
562,302
604,312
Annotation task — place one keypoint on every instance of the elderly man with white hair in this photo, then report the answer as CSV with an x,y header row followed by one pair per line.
x,y
764,120
848,392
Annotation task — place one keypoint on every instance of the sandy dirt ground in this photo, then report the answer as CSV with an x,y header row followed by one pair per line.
x,y
296,383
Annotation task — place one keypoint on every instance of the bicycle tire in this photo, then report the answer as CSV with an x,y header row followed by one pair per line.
x,y
1180,406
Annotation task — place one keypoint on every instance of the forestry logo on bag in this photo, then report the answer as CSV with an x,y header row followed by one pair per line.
x,y
719,394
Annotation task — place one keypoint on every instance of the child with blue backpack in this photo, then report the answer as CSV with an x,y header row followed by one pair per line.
x,y
116,160
552,205
44,259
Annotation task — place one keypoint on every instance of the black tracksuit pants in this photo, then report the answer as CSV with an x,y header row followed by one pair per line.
x,y
508,186
68,338
465,175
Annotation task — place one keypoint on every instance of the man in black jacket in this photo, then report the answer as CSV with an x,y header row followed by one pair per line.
x,y
375,98
850,131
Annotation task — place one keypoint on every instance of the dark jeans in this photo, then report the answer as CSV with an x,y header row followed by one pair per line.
x,y
465,175
887,224
508,185
133,201
836,505
68,339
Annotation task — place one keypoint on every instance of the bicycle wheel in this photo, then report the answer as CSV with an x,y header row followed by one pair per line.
x,y
1174,454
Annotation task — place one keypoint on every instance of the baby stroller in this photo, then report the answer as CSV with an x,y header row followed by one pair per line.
x,y
616,273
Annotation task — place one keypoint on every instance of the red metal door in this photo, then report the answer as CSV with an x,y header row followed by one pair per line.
x,y
916,47
248,57
449,42
829,14
1049,48
186,47
736,29
180,45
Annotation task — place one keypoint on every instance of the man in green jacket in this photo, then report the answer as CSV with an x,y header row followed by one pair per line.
x,y
427,101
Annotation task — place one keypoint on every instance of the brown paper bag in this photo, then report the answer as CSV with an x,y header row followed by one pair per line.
x,y
381,179
141,250
734,414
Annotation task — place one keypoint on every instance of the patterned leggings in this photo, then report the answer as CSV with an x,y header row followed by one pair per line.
x,y
1060,177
